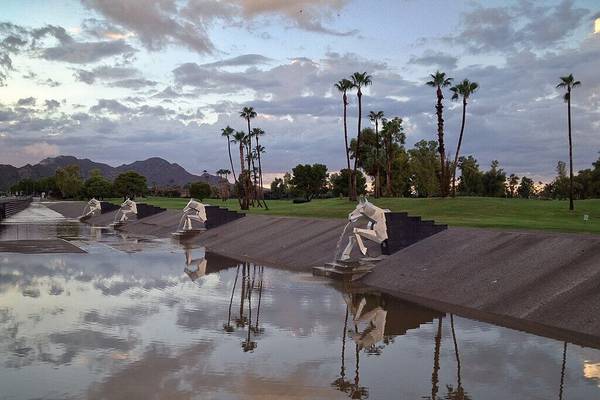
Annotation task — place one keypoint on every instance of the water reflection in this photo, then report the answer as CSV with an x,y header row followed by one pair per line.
x,y
174,322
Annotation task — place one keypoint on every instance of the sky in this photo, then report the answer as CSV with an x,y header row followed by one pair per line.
x,y
118,81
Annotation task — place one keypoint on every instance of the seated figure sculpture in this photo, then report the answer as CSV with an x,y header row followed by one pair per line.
x,y
193,211
127,209
93,207
376,230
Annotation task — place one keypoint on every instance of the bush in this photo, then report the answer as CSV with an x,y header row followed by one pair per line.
x,y
300,200
200,190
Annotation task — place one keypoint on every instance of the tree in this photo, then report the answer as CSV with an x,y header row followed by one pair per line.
x,y
526,189
309,180
359,80
464,89
513,183
424,168
200,190
494,181
97,186
343,86
471,178
68,181
130,184
439,81
568,82
393,138
560,185
242,184
339,183
227,132
258,150
248,113
375,117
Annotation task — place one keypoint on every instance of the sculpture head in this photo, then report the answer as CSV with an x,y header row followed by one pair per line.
x,y
364,208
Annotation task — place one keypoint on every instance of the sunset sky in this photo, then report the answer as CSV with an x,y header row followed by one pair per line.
x,y
118,81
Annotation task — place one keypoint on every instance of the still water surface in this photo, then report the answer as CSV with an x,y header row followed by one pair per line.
x,y
148,319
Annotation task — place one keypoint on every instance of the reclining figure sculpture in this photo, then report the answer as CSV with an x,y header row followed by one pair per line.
x,y
376,230
193,211
127,208
93,207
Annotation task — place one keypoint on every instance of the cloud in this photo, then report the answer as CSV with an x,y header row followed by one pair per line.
x,y
26,102
160,23
86,52
437,58
52,104
155,23
41,150
134,83
110,106
240,61
522,26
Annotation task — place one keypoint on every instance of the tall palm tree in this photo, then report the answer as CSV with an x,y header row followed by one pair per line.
x,y
439,81
343,86
227,132
257,132
248,113
359,80
375,117
568,82
240,138
464,89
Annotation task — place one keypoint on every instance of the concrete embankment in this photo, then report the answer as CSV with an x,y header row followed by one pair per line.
x,y
546,280
545,283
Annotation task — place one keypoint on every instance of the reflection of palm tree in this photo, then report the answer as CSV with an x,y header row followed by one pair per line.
x,y
248,344
228,328
436,361
256,329
562,373
459,392
341,383
241,321
357,391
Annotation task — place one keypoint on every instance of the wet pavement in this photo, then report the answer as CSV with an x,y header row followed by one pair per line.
x,y
139,318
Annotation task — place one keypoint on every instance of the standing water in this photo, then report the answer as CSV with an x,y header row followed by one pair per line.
x,y
118,323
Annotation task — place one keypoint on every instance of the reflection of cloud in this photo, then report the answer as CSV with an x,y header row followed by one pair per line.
x,y
597,25
592,371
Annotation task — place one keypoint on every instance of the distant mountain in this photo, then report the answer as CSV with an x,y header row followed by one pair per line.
x,y
156,170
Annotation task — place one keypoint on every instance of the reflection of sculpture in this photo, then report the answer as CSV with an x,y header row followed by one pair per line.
x,y
372,316
127,209
93,207
376,230
193,211
200,266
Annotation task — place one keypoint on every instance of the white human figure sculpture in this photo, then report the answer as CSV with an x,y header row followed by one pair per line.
x,y
193,211
93,207
200,265
127,208
376,228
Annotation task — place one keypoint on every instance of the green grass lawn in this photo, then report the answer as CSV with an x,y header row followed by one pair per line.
x,y
463,211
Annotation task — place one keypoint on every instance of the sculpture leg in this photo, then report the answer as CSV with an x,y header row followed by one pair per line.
x,y
348,249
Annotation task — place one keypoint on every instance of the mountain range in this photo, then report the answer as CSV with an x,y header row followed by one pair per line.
x,y
157,171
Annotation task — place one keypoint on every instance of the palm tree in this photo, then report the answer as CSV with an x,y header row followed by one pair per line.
x,y
568,82
464,89
359,80
257,132
240,138
227,132
439,81
375,117
343,86
248,113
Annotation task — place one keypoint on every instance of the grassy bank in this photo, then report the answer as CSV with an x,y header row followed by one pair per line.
x,y
465,211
